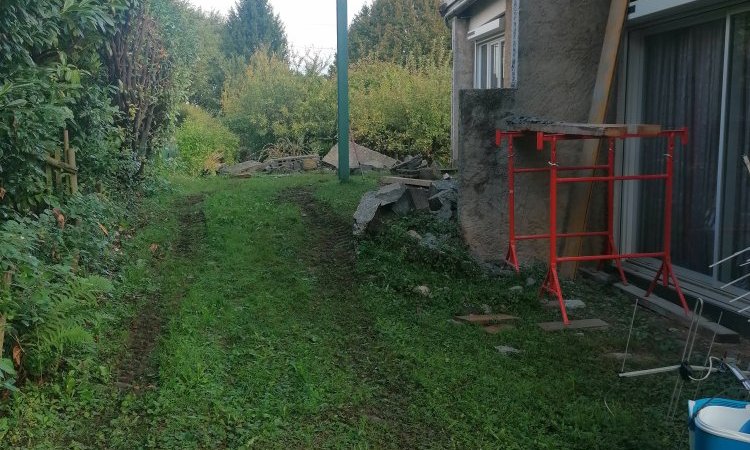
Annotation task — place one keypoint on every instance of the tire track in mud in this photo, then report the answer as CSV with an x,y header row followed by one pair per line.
x,y
332,258
137,369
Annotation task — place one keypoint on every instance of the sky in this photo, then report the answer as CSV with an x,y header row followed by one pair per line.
x,y
310,24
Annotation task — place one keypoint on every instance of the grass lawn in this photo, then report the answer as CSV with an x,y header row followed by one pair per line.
x,y
256,321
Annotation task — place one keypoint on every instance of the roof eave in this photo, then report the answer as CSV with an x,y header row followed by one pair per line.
x,y
453,8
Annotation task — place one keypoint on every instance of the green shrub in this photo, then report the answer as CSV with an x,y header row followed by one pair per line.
x,y
60,273
204,143
401,110
396,110
269,103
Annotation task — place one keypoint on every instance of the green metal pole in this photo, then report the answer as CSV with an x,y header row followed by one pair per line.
x,y
342,70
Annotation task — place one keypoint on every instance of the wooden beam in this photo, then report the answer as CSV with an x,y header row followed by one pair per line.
x,y
577,219
587,129
57,164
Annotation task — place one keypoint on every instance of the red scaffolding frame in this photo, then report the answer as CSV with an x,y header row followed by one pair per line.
x,y
551,283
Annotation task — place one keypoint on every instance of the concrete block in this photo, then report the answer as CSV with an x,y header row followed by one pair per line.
x,y
486,319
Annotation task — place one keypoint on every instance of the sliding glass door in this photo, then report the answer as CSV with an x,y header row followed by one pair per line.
x,y
694,73
735,223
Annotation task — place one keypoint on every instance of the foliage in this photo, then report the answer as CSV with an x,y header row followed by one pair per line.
x,y
400,110
141,67
209,66
252,25
51,303
204,142
49,53
400,31
270,103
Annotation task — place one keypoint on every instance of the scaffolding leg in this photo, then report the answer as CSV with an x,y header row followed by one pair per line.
x,y
511,258
552,285
666,273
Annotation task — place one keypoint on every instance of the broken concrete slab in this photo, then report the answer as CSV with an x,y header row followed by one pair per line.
x,y
423,291
485,319
372,201
360,155
403,206
288,164
442,198
445,214
419,198
366,212
585,324
243,169
507,350
569,304
442,185
407,181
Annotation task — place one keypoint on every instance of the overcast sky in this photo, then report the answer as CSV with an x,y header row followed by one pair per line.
x,y
310,24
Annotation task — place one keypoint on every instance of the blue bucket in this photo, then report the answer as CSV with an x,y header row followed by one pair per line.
x,y
719,424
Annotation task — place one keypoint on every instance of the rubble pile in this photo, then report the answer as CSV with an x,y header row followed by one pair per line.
x,y
401,198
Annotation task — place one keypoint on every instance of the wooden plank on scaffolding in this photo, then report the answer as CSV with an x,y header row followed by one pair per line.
x,y
577,219
586,129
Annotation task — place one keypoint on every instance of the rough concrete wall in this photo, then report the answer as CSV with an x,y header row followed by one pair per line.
x,y
482,172
558,55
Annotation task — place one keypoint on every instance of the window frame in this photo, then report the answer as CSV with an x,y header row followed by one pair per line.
x,y
629,110
499,40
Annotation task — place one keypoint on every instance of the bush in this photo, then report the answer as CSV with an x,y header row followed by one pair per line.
x,y
401,110
204,143
269,103
61,264
395,110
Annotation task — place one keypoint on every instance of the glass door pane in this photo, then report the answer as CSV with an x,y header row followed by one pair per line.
x,y
735,229
682,86
495,65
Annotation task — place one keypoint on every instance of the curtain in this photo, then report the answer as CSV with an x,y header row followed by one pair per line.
x,y
683,78
735,230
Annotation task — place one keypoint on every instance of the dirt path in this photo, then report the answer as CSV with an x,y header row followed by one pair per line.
x,y
137,369
331,256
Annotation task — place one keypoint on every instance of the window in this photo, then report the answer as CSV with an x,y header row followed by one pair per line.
x,y
694,73
488,67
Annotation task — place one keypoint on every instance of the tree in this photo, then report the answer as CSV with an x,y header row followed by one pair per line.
x,y
252,24
400,31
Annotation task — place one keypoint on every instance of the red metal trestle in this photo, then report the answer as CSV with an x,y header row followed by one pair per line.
x,y
551,283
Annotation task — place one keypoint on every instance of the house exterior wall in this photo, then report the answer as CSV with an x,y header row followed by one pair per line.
x,y
464,55
557,65
484,11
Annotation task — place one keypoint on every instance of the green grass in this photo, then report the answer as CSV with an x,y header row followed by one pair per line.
x,y
279,331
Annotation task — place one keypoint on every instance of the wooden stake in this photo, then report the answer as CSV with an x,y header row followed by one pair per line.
x,y
581,198
70,156
56,163
7,279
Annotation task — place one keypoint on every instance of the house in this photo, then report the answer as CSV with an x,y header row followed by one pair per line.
x,y
681,63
